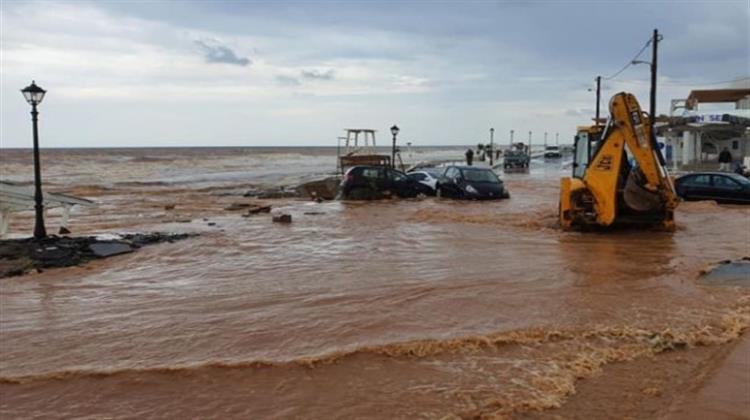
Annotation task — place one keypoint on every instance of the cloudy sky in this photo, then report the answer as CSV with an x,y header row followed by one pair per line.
x,y
150,73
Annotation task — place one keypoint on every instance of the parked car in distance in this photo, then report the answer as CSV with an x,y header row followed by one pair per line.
x,y
425,177
515,159
722,187
375,182
469,182
552,152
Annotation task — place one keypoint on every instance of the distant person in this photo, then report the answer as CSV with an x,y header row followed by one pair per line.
x,y
469,157
725,159
497,154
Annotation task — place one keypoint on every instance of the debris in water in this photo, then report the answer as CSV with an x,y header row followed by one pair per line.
x,y
727,273
236,206
282,218
109,249
20,256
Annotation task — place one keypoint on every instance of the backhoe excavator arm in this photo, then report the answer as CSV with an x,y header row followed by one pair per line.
x,y
611,190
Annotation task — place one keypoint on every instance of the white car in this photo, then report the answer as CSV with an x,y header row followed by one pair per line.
x,y
427,178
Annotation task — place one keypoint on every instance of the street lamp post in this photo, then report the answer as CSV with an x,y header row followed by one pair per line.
x,y
34,95
394,131
529,146
492,145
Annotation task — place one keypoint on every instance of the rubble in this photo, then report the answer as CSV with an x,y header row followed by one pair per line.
x,y
322,189
282,218
20,256
237,206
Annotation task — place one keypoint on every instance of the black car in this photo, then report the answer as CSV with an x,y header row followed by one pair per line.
x,y
722,187
472,183
375,182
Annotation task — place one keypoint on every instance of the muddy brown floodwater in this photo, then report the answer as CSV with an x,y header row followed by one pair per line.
x,y
396,309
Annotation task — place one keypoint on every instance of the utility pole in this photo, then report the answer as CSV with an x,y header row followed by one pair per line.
x,y
511,139
598,96
652,110
545,140
557,139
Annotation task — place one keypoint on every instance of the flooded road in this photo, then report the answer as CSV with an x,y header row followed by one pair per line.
x,y
424,308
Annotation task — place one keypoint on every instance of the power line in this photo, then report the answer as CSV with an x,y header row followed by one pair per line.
x,y
686,83
629,63
725,81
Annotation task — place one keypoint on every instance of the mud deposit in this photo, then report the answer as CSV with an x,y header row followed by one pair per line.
x,y
397,309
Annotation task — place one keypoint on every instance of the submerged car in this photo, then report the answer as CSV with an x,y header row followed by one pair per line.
x,y
722,187
471,183
428,178
375,182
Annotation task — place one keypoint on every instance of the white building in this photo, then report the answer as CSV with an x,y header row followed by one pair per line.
x,y
706,126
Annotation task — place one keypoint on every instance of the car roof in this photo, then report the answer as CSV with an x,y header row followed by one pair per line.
x,y
730,174
471,168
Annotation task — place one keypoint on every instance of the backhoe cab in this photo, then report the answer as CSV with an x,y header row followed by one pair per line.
x,y
619,178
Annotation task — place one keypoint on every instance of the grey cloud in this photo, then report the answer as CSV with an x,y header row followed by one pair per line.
x,y
318,75
287,80
217,53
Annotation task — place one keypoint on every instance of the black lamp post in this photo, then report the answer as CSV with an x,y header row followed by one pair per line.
x,y
492,145
394,131
34,95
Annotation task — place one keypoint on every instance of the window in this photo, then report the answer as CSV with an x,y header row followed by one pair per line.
x,y
397,176
725,183
735,144
371,173
451,173
699,181
418,177
479,175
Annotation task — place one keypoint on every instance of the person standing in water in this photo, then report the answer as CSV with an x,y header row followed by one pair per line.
x,y
469,157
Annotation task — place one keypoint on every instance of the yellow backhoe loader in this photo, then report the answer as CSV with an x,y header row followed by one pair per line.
x,y
619,176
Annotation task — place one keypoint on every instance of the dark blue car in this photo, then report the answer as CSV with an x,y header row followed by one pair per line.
x,y
471,183
722,187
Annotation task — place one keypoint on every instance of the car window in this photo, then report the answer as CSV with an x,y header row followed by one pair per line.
x,y
371,173
397,176
418,177
721,181
480,175
451,173
698,181
740,179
